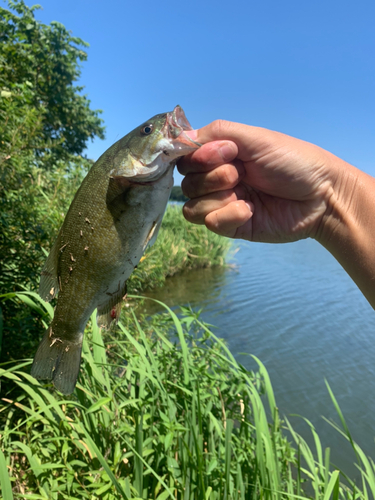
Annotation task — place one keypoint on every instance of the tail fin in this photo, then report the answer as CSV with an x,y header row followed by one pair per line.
x,y
57,360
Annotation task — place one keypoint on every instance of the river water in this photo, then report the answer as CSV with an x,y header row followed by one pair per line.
x,y
294,308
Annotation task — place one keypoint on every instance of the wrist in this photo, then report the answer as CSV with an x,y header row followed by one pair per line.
x,y
342,199
347,229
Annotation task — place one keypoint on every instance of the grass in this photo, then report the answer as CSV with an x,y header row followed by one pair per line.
x,y
162,411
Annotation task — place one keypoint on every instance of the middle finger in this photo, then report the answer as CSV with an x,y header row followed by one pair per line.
x,y
224,177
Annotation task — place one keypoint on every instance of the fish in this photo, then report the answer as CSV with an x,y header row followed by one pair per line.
x,y
115,215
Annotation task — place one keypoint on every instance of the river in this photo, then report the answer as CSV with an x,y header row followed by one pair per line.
x,y
294,308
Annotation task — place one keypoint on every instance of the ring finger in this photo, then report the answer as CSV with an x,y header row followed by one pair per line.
x,y
197,209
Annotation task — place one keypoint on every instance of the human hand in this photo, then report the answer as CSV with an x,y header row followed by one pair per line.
x,y
255,184
252,183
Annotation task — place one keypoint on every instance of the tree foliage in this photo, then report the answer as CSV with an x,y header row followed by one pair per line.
x,y
45,124
39,68
177,194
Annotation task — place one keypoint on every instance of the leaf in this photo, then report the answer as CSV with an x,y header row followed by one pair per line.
x,y
101,402
1,329
6,487
168,440
211,466
332,483
163,496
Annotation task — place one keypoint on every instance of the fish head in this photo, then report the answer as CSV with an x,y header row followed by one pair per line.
x,y
154,147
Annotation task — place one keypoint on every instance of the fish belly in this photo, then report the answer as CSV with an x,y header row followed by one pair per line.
x,y
132,231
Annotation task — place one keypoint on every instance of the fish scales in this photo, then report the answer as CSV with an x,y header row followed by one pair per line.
x,y
114,216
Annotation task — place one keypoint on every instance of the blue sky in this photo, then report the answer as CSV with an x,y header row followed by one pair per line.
x,y
303,68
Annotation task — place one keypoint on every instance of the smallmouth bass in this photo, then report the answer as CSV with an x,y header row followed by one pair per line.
x,y
114,216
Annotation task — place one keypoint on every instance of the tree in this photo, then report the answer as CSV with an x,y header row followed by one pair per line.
x,y
45,123
42,62
177,194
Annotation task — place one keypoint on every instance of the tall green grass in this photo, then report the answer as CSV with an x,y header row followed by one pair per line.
x,y
162,411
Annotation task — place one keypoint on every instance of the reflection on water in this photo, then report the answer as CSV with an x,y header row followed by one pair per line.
x,y
192,287
294,308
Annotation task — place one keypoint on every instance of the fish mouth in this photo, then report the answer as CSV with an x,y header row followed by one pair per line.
x,y
175,126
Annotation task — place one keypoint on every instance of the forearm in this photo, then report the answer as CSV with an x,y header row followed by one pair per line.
x,y
348,228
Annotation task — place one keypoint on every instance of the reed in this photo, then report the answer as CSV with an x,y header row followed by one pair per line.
x,y
162,410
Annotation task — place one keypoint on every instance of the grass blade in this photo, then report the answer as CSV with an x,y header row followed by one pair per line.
x,y
6,486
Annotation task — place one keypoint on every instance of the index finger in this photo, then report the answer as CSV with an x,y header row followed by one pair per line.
x,y
208,157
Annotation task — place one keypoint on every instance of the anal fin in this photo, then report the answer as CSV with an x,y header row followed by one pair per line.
x,y
110,310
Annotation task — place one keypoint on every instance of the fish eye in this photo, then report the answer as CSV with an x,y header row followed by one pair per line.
x,y
147,129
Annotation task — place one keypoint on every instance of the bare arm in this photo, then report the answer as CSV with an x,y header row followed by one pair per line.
x,y
255,184
348,227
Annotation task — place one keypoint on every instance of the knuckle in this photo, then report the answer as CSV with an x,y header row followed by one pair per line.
x,y
232,176
186,212
212,221
227,176
191,214
186,186
219,127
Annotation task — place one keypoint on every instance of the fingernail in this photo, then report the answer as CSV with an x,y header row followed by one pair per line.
x,y
227,152
250,206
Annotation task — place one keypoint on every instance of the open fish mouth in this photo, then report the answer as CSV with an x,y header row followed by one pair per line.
x,y
175,126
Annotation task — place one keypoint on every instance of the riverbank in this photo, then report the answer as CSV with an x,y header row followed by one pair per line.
x,y
151,418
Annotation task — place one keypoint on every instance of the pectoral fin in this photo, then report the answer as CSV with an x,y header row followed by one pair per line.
x,y
152,235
